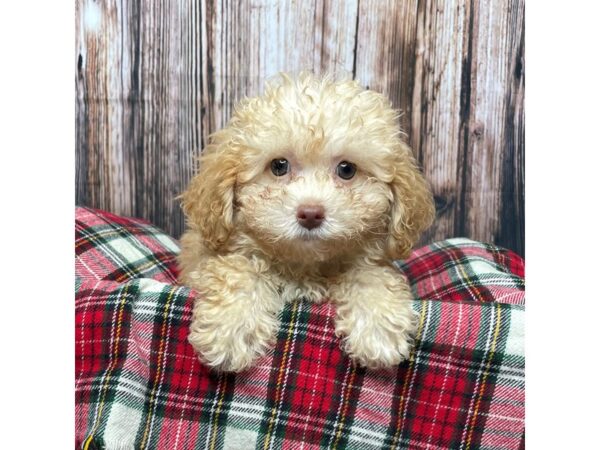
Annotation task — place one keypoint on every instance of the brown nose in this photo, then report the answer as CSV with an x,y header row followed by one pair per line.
x,y
310,216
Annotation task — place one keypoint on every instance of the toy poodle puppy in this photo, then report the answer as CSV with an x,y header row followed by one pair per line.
x,y
308,192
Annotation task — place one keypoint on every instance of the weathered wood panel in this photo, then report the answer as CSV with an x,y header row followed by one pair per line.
x,y
494,111
138,106
249,42
155,78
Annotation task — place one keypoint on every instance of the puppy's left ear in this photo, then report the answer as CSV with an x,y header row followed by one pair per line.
x,y
413,209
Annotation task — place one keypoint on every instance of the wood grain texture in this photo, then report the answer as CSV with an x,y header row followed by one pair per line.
x,y
493,114
138,106
155,78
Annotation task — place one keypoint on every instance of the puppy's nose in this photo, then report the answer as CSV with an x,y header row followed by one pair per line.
x,y
310,216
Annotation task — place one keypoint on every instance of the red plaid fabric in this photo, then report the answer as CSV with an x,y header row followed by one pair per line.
x,y
140,385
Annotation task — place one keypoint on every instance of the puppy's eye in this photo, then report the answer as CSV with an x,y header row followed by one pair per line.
x,y
280,167
345,170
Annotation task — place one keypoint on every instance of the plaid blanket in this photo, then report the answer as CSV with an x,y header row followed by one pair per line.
x,y
140,385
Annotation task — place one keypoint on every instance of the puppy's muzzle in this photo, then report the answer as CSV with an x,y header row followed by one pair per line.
x,y
310,216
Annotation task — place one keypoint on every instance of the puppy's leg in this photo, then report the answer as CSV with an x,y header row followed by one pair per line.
x,y
235,320
375,316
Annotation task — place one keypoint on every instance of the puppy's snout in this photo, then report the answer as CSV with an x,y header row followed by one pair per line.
x,y
310,216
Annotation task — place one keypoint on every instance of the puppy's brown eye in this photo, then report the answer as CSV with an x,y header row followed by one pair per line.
x,y
280,167
345,170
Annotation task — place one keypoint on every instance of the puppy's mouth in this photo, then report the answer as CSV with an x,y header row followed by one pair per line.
x,y
311,235
315,234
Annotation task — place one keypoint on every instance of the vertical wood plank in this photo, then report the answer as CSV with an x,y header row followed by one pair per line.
x,y
138,120
442,49
494,112
385,51
249,42
512,218
335,26
98,95
82,187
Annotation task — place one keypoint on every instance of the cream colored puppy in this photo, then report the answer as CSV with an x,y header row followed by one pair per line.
x,y
308,192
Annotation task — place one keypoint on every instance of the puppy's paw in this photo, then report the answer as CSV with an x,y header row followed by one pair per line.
x,y
230,341
376,339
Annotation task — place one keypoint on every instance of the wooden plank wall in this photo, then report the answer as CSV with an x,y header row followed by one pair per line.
x,y
155,78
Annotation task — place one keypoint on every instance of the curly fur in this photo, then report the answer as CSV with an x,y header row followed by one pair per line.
x,y
245,252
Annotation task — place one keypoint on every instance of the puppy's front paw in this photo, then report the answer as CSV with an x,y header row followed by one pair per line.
x,y
378,339
229,340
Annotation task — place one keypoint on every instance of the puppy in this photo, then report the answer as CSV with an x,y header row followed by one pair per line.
x,y
308,192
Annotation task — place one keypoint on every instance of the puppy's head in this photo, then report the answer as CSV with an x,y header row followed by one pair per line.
x,y
311,169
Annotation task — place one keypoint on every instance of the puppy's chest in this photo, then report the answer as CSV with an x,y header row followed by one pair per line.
x,y
310,290
313,285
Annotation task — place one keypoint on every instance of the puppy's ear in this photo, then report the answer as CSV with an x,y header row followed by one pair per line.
x,y
413,209
208,201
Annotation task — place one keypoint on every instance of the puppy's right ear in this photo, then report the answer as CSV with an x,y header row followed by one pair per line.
x,y
208,201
